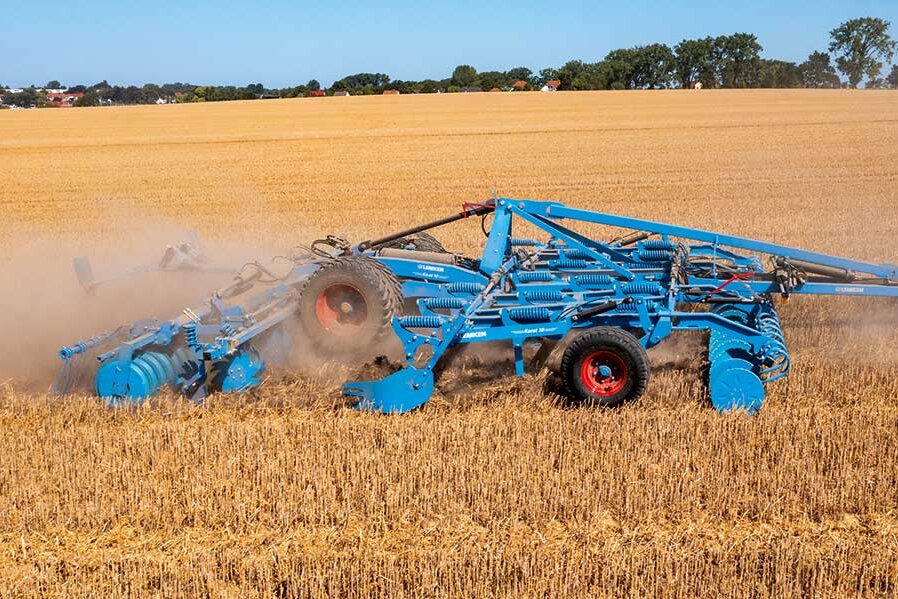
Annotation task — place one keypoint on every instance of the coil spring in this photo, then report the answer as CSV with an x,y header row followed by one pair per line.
x,y
565,262
532,276
642,289
658,244
190,335
464,287
421,322
574,253
544,295
653,255
626,307
519,241
769,324
528,314
228,329
593,279
444,302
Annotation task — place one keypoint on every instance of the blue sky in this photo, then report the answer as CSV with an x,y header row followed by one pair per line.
x,y
280,43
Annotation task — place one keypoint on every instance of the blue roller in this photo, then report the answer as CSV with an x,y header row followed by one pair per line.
x,y
734,387
141,377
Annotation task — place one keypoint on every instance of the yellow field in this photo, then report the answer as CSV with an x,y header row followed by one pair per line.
x,y
493,489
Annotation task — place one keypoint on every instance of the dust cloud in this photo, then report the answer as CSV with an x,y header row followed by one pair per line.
x,y
43,306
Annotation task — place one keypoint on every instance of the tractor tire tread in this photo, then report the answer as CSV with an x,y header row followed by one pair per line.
x,y
620,341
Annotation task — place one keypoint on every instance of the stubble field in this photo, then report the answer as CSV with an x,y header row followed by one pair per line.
x,y
494,488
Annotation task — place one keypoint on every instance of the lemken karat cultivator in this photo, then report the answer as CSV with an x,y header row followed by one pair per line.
x,y
606,302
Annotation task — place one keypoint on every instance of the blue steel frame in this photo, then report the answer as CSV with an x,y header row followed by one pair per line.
x,y
573,282
521,290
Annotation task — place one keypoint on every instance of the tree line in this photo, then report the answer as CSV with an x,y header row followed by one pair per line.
x,y
858,49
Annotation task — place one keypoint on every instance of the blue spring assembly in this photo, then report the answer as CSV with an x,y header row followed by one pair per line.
x,y
593,280
464,287
653,255
191,338
523,241
564,262
421,322
444,302
544,295
643,289
574,253
533,276
658,244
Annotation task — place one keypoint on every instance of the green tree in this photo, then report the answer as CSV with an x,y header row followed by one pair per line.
x,y
518,74
778,73
653,67
313,85
693,60
464,75
892,79
818,71
544,76
861,46
571,70
26,98
88,99
736,59
54,84
591,76
491,79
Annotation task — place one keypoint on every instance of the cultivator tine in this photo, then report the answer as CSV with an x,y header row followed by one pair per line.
x,y
400,392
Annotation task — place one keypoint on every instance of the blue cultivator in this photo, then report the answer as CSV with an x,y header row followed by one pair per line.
x,y
605,303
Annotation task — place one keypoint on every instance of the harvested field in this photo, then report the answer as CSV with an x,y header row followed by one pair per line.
x,y
493,489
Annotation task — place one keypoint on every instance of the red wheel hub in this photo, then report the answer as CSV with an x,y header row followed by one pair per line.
x,y
604,373
341,309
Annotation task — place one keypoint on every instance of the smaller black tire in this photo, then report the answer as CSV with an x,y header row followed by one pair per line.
x,y
605,366
347,306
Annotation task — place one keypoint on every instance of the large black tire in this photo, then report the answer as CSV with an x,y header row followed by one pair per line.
x,y
605,366
347,306
421,242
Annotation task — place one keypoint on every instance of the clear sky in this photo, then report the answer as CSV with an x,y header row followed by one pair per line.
x,y
284,42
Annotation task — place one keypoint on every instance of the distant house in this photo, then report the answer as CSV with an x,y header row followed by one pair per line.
x,y
552,85
317,93
473,89
341,94
391,92
62,99
495,89
519,85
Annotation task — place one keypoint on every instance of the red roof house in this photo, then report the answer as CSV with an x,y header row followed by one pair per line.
x,y
519,85
391,92
63,100
555,83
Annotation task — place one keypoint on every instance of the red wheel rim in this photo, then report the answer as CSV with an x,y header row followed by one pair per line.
x,y
341,309
604,373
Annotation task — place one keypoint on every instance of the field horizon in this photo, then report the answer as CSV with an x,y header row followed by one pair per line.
x,y
494,488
